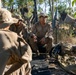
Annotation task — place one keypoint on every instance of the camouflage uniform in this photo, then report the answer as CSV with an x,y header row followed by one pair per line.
x,y
16,28
42,31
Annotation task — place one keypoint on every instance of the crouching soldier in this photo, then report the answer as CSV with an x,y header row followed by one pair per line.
x,y
41,35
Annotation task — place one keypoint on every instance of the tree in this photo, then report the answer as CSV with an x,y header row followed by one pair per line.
x,y
73,2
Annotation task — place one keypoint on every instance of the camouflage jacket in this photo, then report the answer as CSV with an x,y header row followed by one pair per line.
x,y
42,31
16,28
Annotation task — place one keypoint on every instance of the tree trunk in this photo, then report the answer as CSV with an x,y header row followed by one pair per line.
x,y
35,11
50,5
52,10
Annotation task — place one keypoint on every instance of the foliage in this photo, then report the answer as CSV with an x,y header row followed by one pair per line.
x,y
66,34
61,4
61,8
74,14
73,2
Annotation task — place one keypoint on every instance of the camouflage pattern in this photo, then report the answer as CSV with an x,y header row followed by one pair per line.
x,y
16,28
42,32
13,54
6,18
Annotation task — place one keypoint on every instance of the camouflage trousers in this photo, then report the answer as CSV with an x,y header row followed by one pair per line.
x,y
23,69
47,46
